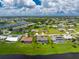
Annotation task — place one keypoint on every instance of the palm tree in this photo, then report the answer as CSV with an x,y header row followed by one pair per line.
x,y
50,41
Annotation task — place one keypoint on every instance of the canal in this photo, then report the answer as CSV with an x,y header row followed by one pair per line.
x,y
54,56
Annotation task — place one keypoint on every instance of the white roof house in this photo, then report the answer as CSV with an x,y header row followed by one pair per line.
x,y
42,34
61,29
71,29
61,25
34,30
67,36
53,37
55,26
36,34
2,37
57,39
71,25
12,39
67,32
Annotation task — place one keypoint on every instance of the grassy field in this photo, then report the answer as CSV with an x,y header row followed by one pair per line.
x,y
37,49
50,30
77,28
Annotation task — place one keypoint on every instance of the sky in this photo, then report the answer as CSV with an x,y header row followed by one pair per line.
x,y
39,7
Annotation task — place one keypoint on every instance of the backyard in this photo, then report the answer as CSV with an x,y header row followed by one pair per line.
x,y
37,49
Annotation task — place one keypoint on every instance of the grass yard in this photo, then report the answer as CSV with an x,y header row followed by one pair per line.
x,y
77,28
54,31
50,30
18,33
36,49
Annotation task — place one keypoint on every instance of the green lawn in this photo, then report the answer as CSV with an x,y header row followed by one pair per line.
x,y
54,31
18,33
50,30
36,49
77,28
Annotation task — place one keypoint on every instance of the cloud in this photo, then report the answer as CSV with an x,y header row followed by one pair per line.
x,y
47,8
29,2
18,3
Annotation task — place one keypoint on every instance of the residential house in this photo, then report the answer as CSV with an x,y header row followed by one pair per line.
x,y
67,36
57,39
13,38
2,37
41,39
26,39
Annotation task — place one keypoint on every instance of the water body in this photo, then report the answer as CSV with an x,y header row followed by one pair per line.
x,y
54,56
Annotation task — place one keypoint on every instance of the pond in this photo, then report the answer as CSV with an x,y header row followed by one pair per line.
x,y
54,56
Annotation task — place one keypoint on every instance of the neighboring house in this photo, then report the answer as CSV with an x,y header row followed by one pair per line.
x,y
71,26
71,30
57,39
67,32
26,39
6,32
61,25
36,34
34,30
67,36
61,29
42,34
54,26
13,38
2,37
41,39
